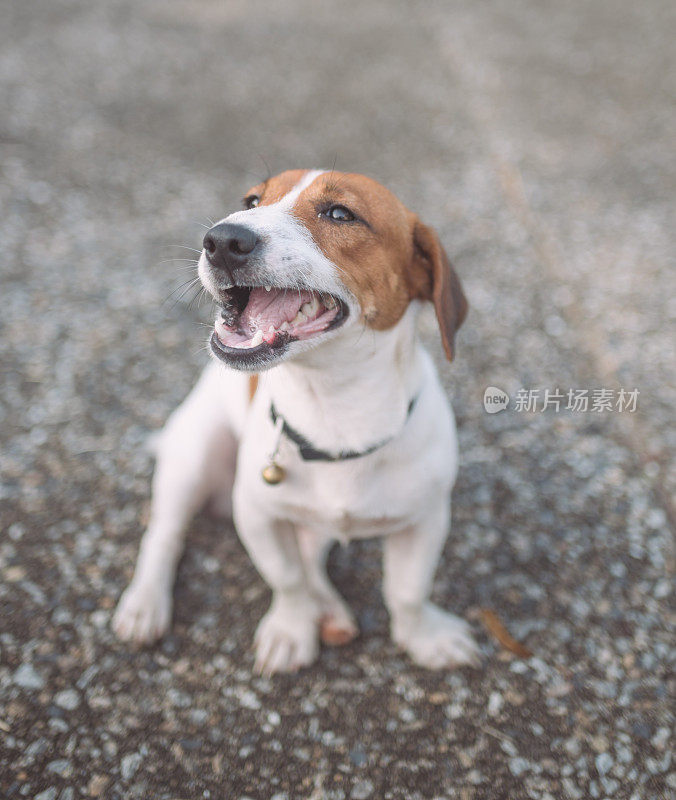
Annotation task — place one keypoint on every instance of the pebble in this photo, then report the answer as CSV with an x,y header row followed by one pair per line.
x,y
661,738
27,677
129,764
518,765
361,790
68,699
48,794
97,784
61,767
495,703
604,763
249,700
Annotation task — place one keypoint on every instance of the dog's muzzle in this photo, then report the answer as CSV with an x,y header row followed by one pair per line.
x,y
228,248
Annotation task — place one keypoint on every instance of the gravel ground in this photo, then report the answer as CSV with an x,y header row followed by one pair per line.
x,y
537,137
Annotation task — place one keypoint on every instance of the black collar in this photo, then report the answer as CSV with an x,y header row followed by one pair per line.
x,y
310,453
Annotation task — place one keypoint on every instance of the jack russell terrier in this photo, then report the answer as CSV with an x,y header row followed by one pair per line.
x,y
319,281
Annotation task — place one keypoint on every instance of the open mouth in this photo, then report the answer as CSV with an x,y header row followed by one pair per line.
x,y
263,320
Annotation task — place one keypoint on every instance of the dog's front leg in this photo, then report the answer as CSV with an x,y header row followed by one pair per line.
x,y
144,611
287,636
195,457
432,637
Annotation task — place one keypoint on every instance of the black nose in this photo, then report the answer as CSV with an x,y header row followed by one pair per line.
x,y
228,246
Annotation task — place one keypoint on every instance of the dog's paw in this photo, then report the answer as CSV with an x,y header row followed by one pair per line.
x,y
337,626
437,639
286,638
143,613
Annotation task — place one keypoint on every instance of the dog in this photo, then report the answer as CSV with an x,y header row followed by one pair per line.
x,y
319,281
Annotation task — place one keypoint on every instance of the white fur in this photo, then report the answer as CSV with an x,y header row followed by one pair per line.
x,y
345,391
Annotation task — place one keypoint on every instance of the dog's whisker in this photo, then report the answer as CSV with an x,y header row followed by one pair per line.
x,y
195,297
184,288
185,247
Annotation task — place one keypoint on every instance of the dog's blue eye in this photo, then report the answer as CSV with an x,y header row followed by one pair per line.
x,y
251,201
339,214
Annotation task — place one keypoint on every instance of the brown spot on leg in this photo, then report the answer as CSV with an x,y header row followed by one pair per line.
x,y
335,633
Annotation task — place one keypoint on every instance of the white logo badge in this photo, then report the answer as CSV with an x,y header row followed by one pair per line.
x,y
495,400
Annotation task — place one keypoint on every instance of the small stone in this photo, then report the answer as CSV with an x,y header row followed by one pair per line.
x,y
14,574
68,699
514,698
16,531
571,789
28,678
610,786
358,756
48,794
274,718
99,618
67,794
178,699
495,703
249,700
475,777
517,766
97,784
129,764
61,767
661,738
604,763
361,790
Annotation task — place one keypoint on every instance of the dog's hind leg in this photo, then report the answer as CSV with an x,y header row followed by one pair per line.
x,y
337,624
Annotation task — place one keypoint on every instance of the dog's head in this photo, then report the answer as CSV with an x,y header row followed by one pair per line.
x,y
313,253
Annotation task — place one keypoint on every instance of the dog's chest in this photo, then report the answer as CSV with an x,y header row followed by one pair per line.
x,y
359,498
347,506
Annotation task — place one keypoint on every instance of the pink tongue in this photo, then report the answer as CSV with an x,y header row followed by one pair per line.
x,y
272,308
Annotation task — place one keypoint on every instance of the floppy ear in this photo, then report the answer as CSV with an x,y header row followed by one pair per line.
x,y
435,279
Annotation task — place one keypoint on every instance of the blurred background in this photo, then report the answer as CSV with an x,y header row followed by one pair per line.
x,y
538,137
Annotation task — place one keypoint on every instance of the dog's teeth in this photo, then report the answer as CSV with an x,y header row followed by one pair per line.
x,y
257,339
310,309
299,319
271,329
329,302
267,288
284,326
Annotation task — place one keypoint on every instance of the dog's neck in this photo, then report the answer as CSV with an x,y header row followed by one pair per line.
x,y
354,390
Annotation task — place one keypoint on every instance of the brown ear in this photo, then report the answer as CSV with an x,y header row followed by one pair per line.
x,y
433,278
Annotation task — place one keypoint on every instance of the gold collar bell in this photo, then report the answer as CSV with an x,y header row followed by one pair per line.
x,y
273,473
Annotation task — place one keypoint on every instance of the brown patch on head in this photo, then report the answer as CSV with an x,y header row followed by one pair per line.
x,y
273,189
386,256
